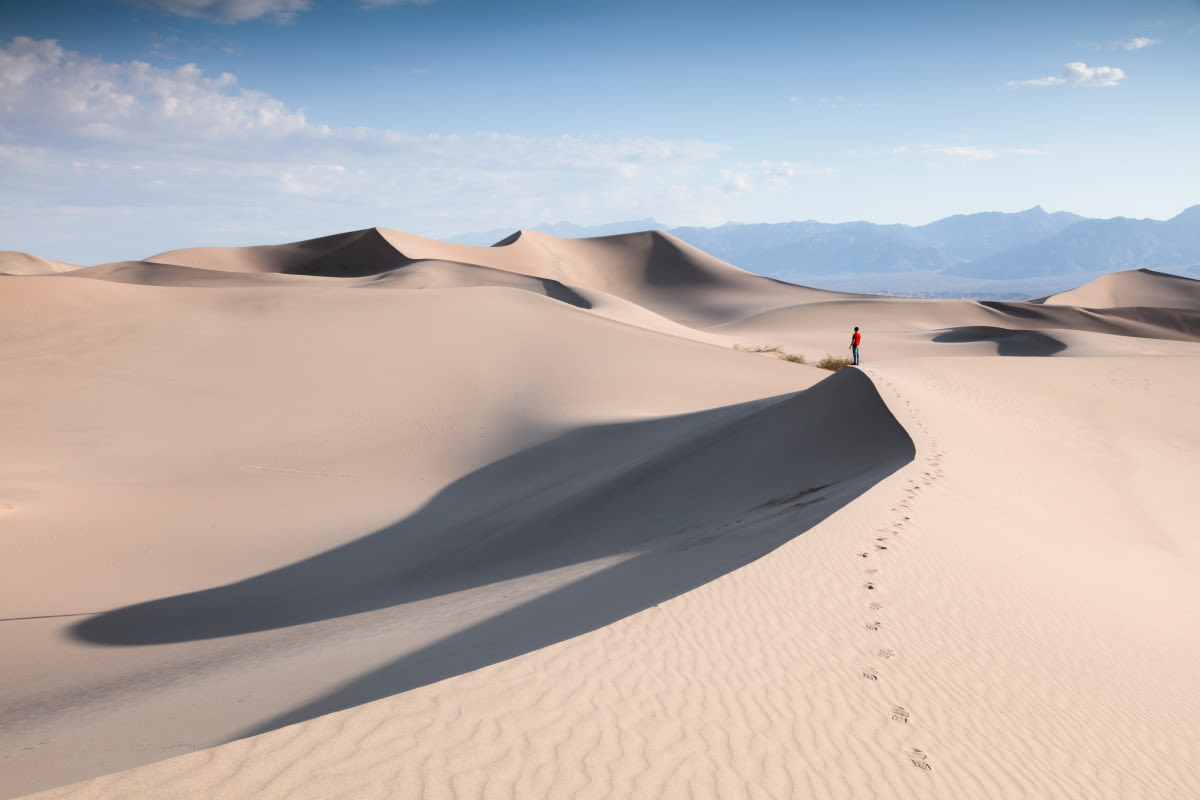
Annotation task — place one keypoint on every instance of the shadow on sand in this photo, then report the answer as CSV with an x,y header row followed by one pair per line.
x,y
1008,342
682,500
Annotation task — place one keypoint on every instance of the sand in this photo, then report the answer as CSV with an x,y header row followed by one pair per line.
x,y
378,516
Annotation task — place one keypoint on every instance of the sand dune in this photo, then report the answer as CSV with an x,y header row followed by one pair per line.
x,y
1141,287
16,263
652,269
343,255
374,515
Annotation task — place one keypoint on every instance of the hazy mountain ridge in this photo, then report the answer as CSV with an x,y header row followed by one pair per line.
x,y
995,254
1106,245
974,236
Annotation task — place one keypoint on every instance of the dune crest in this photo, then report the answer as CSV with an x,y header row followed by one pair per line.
x,y
1140,287
13,262
342,255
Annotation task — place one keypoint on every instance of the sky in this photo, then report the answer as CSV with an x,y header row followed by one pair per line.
x,y
128,127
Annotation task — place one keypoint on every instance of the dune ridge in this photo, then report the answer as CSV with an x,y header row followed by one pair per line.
x,y
1141,287
13,262
520,521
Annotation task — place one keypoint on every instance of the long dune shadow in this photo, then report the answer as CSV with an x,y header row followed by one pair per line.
x,y
681,500
1008,342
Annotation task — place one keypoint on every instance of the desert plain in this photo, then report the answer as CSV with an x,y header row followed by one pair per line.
x,y
374,515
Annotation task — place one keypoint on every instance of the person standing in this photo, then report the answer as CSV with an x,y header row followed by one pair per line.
x,y
855,341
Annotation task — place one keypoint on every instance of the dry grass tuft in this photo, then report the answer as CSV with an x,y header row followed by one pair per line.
x,y
834,363
771,348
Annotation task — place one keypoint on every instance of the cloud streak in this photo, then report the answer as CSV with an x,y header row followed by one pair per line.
x,y
108,135
1139,43
959,154
1077,73
229,11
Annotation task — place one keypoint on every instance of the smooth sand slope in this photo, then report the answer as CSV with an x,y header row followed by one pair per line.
x,y
378,516
13,262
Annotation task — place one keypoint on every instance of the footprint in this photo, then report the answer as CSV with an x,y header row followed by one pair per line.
x,y
870,673
900,714
881,538
869,585
873,626
875,606
864,555
880,547
884,652
918,758
872,571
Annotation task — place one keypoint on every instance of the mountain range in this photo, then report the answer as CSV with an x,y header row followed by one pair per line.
x,y
994,254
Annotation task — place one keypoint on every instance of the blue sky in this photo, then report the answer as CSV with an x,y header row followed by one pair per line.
x,y
127,128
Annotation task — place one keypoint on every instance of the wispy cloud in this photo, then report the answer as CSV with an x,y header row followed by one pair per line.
x,y
1078,73
54,95
772,176
1139,43
229,11
959,154
1050,81
949,154
134,134
381,3
234,11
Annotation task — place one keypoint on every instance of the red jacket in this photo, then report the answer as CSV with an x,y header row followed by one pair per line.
x,y
856,339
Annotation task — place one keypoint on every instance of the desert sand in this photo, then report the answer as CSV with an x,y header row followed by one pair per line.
x,y
373,515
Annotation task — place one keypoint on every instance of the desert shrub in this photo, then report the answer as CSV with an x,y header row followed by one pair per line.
x,y
771,348
758,348
834,363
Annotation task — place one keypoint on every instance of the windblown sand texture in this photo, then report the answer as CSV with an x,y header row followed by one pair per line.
x,y
373,515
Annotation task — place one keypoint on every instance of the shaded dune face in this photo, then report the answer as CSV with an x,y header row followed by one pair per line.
x,y
805,455
343,255
650,268
1143,322
1008,342
651,257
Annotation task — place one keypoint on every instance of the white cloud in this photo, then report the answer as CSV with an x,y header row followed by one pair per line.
x,y
773,176
1139,42
1078,73
1081,74
379,3
735,181
95,134
230,11
959,154
62,95
1051,81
